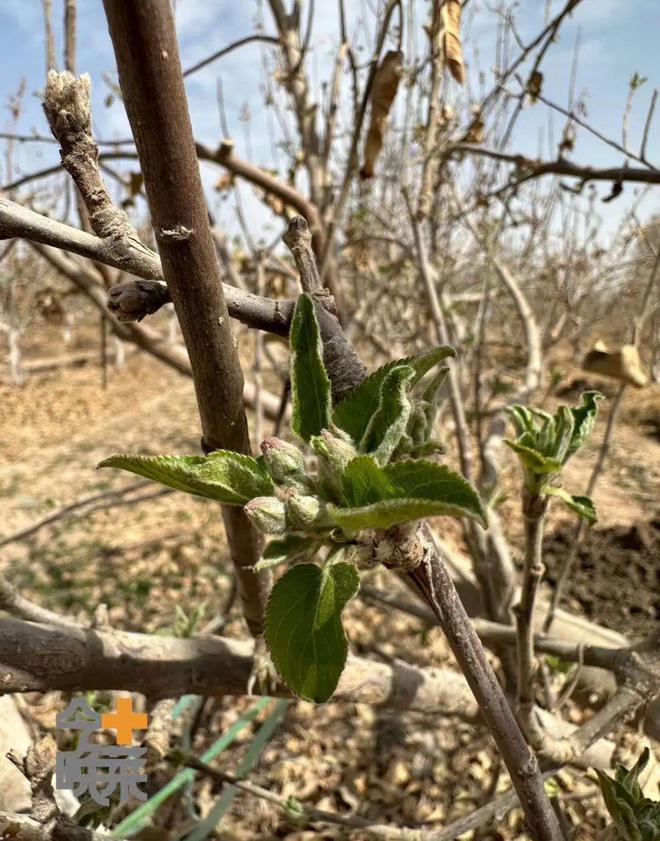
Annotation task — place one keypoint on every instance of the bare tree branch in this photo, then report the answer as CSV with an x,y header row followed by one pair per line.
x,y
527,169
36,657
249,39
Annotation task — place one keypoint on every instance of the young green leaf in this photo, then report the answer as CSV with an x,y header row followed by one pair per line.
x,y
303,628
564,426
310,386
285,549
584,418
364,482
581,505
533,460
225,476
419,479
392,512
620,811
431,397
381,497
521,418
356,410
389,421
333,453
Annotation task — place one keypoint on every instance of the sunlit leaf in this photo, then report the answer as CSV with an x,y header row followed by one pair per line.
x,y
380,497
303,628
581,505
310,386
225,476
356,410
389,421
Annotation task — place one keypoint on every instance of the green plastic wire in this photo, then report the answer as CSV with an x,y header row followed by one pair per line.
x,y
205,827
137,820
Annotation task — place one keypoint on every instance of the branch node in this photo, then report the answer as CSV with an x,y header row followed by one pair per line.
x,y
179,233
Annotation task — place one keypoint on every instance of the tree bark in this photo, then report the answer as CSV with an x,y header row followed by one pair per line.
x,y
37,657
151,81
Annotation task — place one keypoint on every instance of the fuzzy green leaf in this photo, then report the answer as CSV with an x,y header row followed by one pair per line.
x,y
392,512
533,460
584,418
381,497
564,428
303,628
364,482
356,410
431,397
621,812
225,476
419,479
581,505
285,549
310,387
521,418
389,421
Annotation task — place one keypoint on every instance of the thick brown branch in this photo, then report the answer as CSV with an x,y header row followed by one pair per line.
x,y
41,658
150,76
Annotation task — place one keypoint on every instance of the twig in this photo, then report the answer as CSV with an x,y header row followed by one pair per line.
x,y
18,221
50,37
598,656
571,684
435,584
351,163
613,143
12,601
530,168
580,528
67,107
305,813
249,39
525,312
458,411
89,509
647,124
225,156
533,510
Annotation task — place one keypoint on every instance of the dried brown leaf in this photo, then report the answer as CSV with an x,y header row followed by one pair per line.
x,y
453,51
623,364
383,92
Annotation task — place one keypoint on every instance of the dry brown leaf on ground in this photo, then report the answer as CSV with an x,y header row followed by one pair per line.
x,y
383,92
453,51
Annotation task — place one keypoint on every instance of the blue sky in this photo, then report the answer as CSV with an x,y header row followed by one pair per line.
x,y
617,39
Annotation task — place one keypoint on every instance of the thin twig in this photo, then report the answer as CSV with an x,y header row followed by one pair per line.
x,y
249,39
